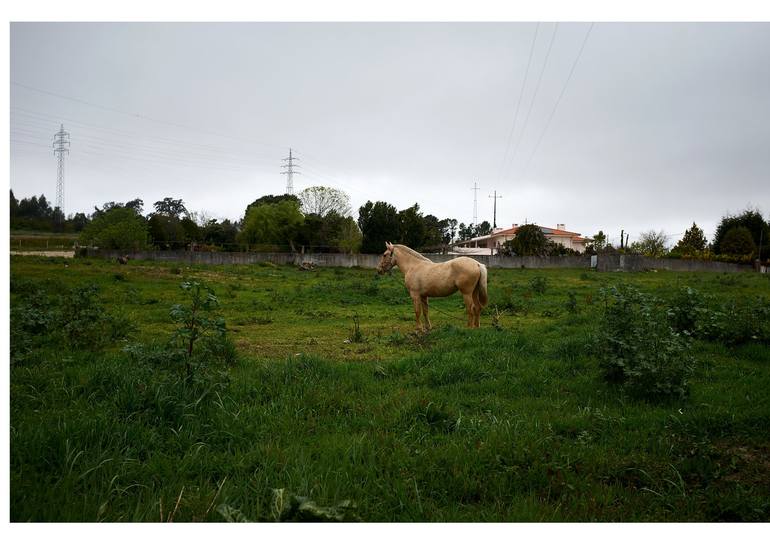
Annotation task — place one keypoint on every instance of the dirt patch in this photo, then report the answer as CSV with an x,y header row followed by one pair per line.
x,y
751,463
65,254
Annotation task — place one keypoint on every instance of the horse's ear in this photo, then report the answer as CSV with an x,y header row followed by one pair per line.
x,y
388,245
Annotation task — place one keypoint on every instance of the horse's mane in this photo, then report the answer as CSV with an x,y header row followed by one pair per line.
x,y
412,252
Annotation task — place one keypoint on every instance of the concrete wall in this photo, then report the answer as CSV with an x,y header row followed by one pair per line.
x,y
606,263
638,263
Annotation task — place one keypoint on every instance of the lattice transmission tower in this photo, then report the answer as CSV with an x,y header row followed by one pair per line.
x,y
475,190
290,170
61,147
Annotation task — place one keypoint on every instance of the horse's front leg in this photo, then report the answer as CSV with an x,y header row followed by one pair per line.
x,y
417,310
426,319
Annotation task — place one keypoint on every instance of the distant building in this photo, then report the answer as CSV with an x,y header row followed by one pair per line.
x,y
491,243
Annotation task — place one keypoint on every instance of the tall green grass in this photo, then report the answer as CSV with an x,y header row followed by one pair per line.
x,y
513,423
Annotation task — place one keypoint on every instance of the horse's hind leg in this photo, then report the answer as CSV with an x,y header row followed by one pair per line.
x,y
425,317
469,309
476,309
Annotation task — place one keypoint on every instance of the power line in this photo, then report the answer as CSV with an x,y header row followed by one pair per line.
x,y
208,148
41,119
136,115
518,103
534,95
558,100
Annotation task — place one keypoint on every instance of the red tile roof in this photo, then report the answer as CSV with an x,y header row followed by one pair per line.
x,y
550,231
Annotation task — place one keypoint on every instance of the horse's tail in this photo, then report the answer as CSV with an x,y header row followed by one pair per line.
x,y
481,286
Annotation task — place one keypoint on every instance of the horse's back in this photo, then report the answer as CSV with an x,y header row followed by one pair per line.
x,y
443,279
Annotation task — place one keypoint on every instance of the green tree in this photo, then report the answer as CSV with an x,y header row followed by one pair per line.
x,y
166,232
411,227
349,237
650,244
484,228
379,223
753,221
136,204
272,199
277,223
78,221
597,243
118,228
738,241
434,230
192,233
529,240
169,207
14,209
691,243
220,234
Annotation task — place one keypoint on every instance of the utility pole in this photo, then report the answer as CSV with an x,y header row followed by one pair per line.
x,y
475,190
61,146
494,213
289,170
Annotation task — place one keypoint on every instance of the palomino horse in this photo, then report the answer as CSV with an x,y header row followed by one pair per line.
x,y
424,278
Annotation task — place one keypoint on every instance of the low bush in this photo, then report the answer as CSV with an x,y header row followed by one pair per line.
x,y
76,319
538,284
639,349
737,322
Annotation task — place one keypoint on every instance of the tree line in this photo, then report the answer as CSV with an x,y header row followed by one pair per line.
x,y
741,237
319,219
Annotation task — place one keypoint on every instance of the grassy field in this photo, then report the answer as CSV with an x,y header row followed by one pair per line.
x,y
41,241
510,422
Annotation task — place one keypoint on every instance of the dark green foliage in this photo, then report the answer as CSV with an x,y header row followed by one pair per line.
x,y
220,234
529,240
751,220
271,199
379,223
356,336
198,321
571,305
118,228
737,241
170,207
76,319
538,284
737,322
276,224
691,243
411,227
687,309
166,232
639,349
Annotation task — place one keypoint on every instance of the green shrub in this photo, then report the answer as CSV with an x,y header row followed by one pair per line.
x,y
737,322
197,321
571,305
639,349
687,309
538,284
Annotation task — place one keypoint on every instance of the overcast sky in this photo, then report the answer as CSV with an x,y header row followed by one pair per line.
x,y
651,125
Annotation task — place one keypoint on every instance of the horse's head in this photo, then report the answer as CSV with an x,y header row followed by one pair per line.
x,y
388,259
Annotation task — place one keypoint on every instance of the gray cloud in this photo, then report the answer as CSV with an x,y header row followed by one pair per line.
x,y
661,124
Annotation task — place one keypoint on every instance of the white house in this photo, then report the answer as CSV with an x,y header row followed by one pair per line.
x,y
490,243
